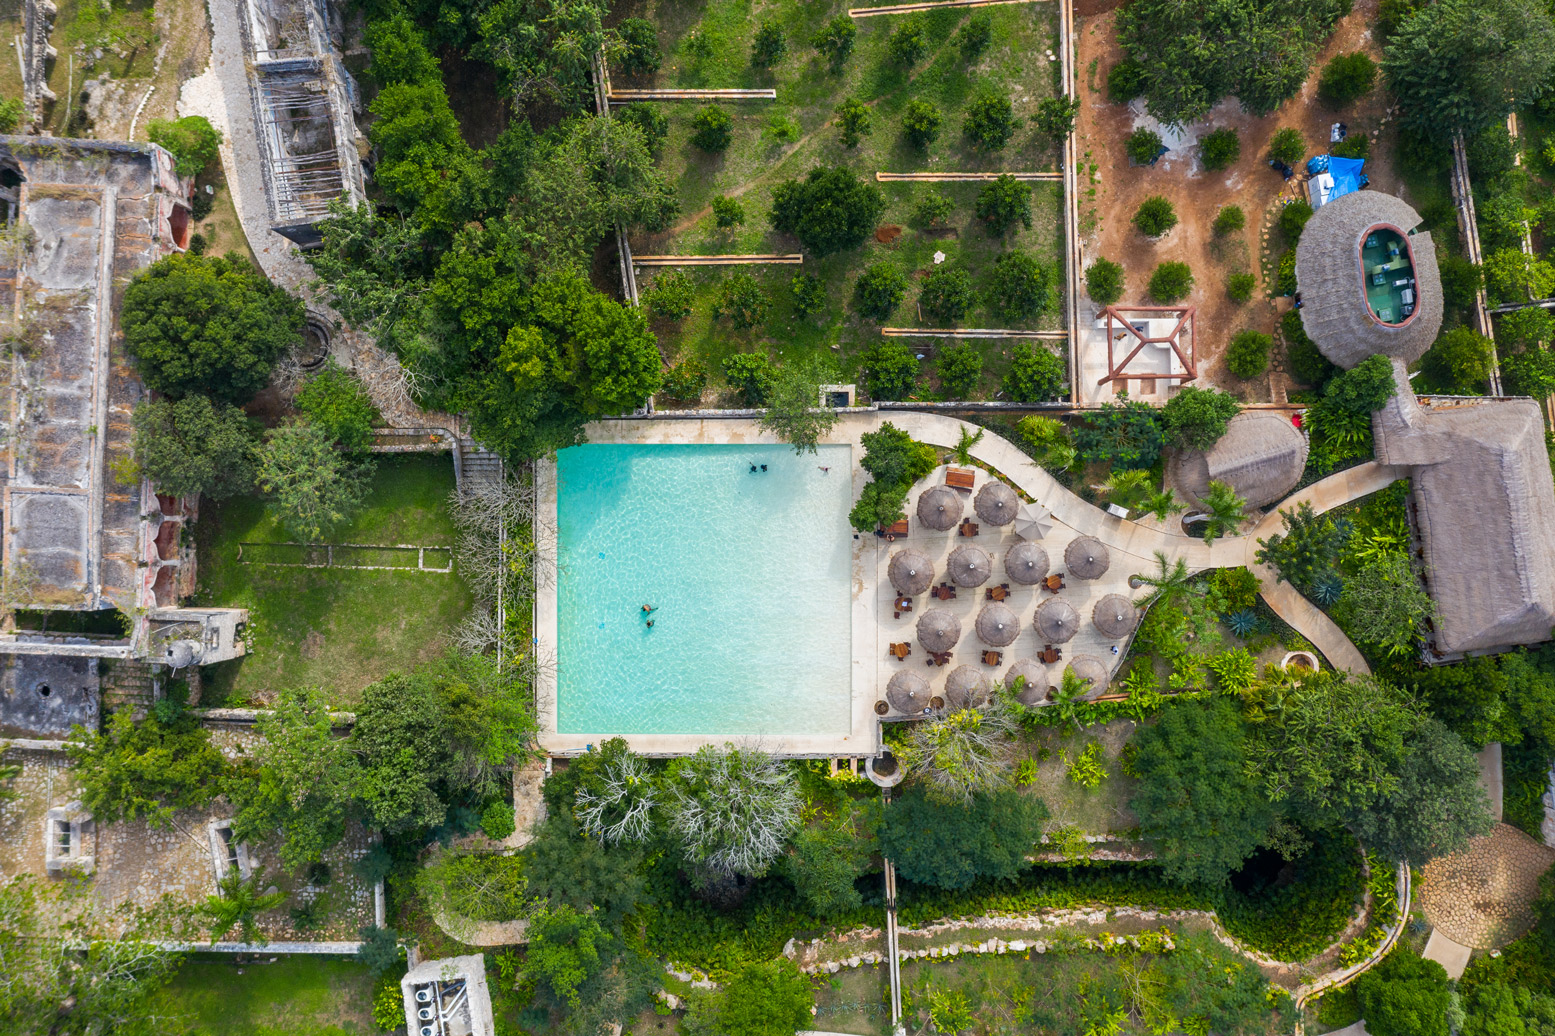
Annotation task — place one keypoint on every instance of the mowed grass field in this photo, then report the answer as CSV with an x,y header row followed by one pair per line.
x,y
295,996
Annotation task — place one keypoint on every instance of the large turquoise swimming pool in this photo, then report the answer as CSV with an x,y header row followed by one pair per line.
x,y
750,574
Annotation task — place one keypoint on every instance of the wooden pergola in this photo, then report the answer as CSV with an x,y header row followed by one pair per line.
x,y
1179,340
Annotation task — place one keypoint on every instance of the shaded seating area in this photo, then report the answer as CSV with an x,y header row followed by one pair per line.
x,y
1028,679
969,527
1093,671
997,625
1115,616
901,650
996,503
1087,557
910,571
1056,621
966,686
1026,563
969,566
908,692
939,508
997,593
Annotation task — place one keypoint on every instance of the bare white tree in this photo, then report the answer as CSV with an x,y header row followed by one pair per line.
x,y
392,386
733,808
617,805
480,630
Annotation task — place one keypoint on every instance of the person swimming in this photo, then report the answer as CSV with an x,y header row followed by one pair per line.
x,y
763,467
649,609
753,469
650,624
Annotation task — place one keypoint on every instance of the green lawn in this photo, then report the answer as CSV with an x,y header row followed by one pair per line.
x,y
295,996
338,629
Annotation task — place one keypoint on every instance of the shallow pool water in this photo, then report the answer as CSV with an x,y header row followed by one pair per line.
x,y
750,576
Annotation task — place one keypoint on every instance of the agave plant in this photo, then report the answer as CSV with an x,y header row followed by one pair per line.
x,y
1327,589
1243,622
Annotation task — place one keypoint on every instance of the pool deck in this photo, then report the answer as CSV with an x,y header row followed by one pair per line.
x,y
1131,545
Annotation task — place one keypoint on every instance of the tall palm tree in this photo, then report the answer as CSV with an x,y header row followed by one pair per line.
x,y
1168,584
1224,511
1162,505
963,449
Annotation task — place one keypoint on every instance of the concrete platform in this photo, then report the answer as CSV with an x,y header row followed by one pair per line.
x,y
1452,956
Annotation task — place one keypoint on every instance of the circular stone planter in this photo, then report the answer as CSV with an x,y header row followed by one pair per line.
x,y
884,770
881,708
315,344
1303,659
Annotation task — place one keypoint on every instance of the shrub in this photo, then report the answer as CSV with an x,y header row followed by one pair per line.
x,y
1104,282
389,1005
339,404
1248,354
1512,276
910,40
640,46
728,212
1220,148
959,369
648,118
1288,146
1143,146
1404,995
921,122
1125,81
783,128
835,39
497,820
809,293
1229,220
879,289
1358,146
1127,434
853,120
1155,216
990,122
670,296
1239,286
932,210
313,485
712,125
973,37
1293,217
192,140
1055,117
193,446
768,46
1019,288
147,770
686,380
1531,373
1459,361
828,211
1036,375
749,374
1307,362
1285,277
1171,282
1003,202
1346,78
946,294
889,369
742,300
1526,328
1196,418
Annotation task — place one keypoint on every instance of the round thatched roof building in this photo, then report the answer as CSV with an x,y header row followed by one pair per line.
x,y
938,630
1056,621
910,571
1086,557
907,692
1115,616
1092,670
997,625
966,685
1026,563
1261,456
939,508
1034,690
1337,261
969,565
996,503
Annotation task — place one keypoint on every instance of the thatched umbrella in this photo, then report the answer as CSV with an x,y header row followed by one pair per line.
x,y
939,508
997,626
1026,563
1034,690
1092,670
996,503
1057,622
911,571
938,630
1086,557
907,692
1115,615
1033,522
969,565
966,685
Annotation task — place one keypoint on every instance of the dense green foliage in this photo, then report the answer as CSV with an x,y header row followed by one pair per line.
x,y
146,770
1347,78
831,210
315,487
1248,354
192,446
951,845
339,404
879,289
1196,418
1036,374
1171,282
1019,288
1155,216
192,140
1404,996
946,294
1128,433
894,462
1004,202
889,369
771,998
1104,282
990,122
1219,148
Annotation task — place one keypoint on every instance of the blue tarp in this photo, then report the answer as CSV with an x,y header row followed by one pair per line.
x,y
1347,176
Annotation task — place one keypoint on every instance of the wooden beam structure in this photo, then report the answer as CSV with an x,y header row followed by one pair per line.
x,y
870,12
1117,370
968,332
633,96
961,177
793,259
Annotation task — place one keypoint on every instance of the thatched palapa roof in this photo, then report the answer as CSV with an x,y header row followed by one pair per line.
x,y
969,565
907,692
938,630
1093,670
1328,272
1086,557
996,503
966,685
1026,563
1034,690
1261,456
997,625
1115,616
910,571
1056,621
939,508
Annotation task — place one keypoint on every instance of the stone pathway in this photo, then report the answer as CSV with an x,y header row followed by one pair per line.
x,y
1479,897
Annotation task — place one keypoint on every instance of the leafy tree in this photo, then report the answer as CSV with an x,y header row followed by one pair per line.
x,y
1127,433
951,846
11,113
974,37
1239,288
854,120
1436,806
1531,373
1125,81
315,487
1248,354
1225,511
732,809
1459,361
1460,65
1104,282
751,375
933,210
990,122
1003,202
1220,148
1513,276
192,446
566,949
894,462
794,413
1293,217
380,950
639,47
207,325
826,857
1196,418
471,887
1347,78
145,771
498,821
713,129
565,867
1143,146
742,300
1055,117
541,49
337,403
947,294
1404,995
1197,806
1171,282
670,296
1364,388
1168,586
652,122
1499,1009
889,369
1384,604
1049,440
879,290
1526,328
1019,288
728,212
763,998
831,210
961,754
921,121
835,40
192,140
238,903
768,45
1305,552
1155,216
909,41
1288,146
1036,375
1229,220
959,369
809,293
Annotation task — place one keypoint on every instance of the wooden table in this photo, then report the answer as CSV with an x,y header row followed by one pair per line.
x,y
960,478
1054,583
970,528
1050,654
999,593
992,657
943,592
901,650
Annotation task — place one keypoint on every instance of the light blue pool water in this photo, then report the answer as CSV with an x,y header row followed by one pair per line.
x,y
750,575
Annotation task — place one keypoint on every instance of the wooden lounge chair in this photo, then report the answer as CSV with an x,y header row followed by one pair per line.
x,y
960,478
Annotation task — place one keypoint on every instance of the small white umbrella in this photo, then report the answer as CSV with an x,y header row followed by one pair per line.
x,y
1033,522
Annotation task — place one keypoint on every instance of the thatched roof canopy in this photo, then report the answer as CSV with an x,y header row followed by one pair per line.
x,y
1261,456
910,571
1329,273
1093,670
1115,616
939,508
1026,563
1086,557
907,692
1034,690
996,503
1056,621
997,625
938,630
966,685
969,565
